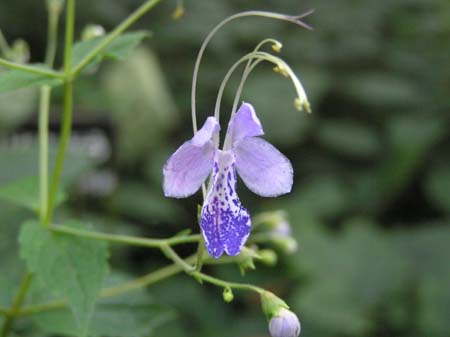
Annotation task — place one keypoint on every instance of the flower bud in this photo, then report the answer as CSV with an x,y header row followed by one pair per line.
x,y
286,243
268,257
270,220
92,31
282,228
228,295
20,51
284,324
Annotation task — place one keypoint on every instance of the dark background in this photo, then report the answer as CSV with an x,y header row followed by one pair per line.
x,y
371,202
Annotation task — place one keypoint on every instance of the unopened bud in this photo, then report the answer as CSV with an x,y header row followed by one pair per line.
x,y
20,51
286,243
284,324
268,257
92,31
228,295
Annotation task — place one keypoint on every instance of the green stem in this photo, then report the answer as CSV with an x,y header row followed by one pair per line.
x,y
147,280
141,282
44,108
171,254
68,42
66,124
125,239
200,254
210,279
131,19
15,307
31,70
66,129
225,284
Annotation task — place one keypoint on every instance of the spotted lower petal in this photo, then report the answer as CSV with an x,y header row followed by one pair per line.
x,y
225,223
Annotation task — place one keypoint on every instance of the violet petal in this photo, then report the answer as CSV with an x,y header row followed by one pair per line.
x,y
264,169
190,165
244,123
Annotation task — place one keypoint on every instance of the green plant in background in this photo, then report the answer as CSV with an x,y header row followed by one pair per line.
x,y
370,206
66,262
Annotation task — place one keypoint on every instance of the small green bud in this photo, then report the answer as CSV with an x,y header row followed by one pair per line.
x,y
92,31
270,220
228,295
271,304
268,257
286,243
20,51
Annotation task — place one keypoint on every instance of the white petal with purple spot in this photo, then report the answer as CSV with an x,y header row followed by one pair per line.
x,y
225,223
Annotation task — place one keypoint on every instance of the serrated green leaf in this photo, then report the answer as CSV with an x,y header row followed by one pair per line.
x,y
25,192
12,268
16,79
132,314
71,267
118,49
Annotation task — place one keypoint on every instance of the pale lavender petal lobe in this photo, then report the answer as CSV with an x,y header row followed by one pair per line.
x,y
190,165
244,123
207,131
225,223
264,169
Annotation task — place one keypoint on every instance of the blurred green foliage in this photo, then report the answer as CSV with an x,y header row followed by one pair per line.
x,y
371,203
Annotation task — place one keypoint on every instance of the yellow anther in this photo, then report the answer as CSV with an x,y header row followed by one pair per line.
x,y
302,104
276,47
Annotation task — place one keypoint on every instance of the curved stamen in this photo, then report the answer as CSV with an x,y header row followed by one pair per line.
x,y
276,46
301,101
293,19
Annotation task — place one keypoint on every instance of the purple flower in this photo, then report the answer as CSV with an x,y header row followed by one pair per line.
x,y
224,222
